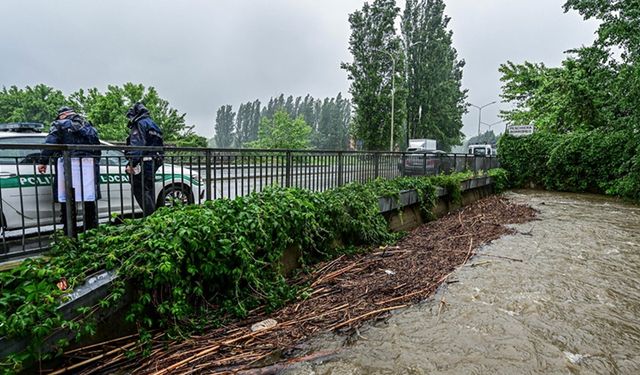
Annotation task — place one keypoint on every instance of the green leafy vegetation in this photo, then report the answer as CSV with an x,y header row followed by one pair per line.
x,y
411,79
586,111
595,161
329,119
191,267
106,110
377,72
500,179
435,97
283,132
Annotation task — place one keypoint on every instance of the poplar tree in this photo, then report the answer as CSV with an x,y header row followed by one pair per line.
x,y
373,75
435,99
224,127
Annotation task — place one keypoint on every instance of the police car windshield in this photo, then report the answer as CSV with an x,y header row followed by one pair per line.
x,y
9,156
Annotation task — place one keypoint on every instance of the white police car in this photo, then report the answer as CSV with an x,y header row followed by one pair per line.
x,y
26,196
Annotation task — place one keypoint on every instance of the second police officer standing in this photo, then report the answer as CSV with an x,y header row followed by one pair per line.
x,y
143,163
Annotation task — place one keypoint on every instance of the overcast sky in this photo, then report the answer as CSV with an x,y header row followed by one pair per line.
x,y
201,54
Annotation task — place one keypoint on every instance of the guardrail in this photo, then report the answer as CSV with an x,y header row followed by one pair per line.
x,y
29,200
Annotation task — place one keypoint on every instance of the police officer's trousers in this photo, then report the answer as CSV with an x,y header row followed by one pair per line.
x,y
143,185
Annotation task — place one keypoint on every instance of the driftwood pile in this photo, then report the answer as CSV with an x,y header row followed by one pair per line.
x,y
344,294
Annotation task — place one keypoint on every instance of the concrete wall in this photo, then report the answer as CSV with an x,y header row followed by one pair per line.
x,y
404,214
409,217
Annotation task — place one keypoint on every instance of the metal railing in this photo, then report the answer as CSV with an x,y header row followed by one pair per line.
x,y
29,200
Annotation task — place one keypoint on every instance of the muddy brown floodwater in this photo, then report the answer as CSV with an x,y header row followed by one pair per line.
x,y
571,306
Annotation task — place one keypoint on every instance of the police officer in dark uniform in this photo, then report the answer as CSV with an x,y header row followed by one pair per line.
x,y
143,164
69,128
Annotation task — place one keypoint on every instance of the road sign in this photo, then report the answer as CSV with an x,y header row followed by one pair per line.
x,y
520,130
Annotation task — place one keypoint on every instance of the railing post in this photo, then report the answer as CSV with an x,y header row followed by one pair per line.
x,y
207,179
340,168
288,169
376,167
70,195
403,161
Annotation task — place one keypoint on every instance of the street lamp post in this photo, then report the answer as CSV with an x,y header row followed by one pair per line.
x,y
393,90
492,124
393,86
480,112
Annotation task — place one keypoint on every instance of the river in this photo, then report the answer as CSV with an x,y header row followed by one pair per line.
x,y
571,306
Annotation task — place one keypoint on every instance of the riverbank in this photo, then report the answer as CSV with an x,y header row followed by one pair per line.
x,y
343,294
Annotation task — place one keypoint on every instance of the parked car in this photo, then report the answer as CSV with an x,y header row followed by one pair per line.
x,y
26,198
425,163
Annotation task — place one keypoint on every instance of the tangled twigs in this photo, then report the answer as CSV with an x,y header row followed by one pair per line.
x,y
344,292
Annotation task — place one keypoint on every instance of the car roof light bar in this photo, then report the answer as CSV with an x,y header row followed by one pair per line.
x,y
22,127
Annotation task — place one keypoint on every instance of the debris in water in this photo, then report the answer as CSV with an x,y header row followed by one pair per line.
x,y
343,294
575,358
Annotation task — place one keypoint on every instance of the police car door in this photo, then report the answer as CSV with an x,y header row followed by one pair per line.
x,y
26,195
115,185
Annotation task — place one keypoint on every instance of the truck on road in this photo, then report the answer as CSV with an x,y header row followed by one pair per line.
x,y
419,145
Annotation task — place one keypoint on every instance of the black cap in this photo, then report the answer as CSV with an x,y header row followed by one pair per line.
x,y
64,109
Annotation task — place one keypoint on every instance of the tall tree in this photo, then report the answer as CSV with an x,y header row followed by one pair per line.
x,y
283,132
242,126
619,37
488,137
334,123
107,112
377,75
307,111
584,93
619,23
31,104
435,100
225,126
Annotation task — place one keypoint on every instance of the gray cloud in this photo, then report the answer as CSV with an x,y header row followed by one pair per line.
x,y
201,54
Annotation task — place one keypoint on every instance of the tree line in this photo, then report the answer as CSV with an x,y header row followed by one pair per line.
x,y
405,84
254,124
106,110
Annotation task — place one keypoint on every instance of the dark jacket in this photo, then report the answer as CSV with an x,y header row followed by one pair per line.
x,y
143,132
73,130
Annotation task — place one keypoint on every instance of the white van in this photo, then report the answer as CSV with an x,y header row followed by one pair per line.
x,y
482,150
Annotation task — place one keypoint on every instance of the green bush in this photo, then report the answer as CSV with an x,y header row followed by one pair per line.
x,y
500,179
525,158
586,161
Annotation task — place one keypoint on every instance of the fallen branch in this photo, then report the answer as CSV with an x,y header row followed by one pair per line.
x,y
209,350
91,360
501,257
333,274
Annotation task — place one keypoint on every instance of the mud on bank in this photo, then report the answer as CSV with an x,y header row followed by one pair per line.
x,y
344,294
